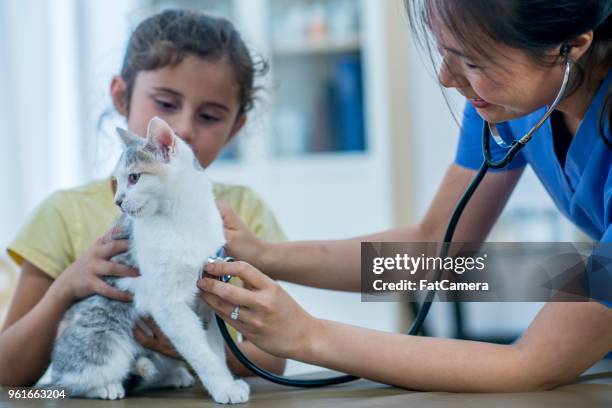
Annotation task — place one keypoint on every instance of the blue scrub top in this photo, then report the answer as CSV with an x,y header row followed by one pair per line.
x,y
582,189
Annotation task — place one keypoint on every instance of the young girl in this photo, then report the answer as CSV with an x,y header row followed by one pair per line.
x,y
195,72
507,58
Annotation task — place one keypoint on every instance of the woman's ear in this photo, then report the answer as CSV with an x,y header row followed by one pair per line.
x,y
118,90
580,45
238,125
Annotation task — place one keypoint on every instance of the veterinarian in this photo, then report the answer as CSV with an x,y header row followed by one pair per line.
x,y
510,60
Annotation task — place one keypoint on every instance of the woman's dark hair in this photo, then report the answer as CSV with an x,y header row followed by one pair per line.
x,y
534,26
165,39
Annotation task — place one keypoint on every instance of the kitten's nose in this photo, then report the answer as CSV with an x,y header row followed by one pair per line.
x,y
118,202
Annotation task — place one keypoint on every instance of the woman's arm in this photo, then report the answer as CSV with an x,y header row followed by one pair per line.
x,y
336,264
563,341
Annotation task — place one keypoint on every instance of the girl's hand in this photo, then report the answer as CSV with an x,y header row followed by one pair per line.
x,y
83,277
268,316
241,243
155,339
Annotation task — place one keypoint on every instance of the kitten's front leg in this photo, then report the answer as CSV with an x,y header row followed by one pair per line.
x,y
213,333
183,328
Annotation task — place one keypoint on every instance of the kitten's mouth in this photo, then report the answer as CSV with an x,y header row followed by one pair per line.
x,y
134,213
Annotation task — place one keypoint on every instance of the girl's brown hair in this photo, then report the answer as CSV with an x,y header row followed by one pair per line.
x,y
165,39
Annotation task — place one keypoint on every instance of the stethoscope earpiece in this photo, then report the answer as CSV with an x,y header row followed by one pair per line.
x,y
565,49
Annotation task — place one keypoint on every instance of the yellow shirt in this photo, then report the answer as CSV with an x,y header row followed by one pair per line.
x,y
68,222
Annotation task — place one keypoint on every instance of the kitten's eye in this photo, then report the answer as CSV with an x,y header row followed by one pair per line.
x,y
133,178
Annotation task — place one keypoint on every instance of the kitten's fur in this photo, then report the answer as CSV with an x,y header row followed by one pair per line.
x,y
173,225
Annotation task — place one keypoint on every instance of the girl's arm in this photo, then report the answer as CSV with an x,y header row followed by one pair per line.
x,y
563,341
159,342
336,264
39,304
258,356
29,330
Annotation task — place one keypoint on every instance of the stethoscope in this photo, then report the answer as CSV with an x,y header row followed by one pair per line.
x,y
489,130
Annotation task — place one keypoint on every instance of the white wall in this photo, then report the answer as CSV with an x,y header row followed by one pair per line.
x,y
103,33
38,143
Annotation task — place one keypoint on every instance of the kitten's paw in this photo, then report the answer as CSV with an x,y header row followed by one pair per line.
x,y
243,384
145,368
179,378
182,378
110,392
235,392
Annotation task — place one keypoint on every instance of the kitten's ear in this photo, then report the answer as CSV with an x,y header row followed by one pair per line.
x,y
128,137
160,135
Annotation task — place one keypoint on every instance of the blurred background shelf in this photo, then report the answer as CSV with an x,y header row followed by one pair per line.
x,y
316,87
317,46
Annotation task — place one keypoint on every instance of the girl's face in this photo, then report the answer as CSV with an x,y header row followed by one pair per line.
x,y
507,86
198,99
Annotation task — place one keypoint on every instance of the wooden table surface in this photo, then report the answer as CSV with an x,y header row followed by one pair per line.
x,y
591,391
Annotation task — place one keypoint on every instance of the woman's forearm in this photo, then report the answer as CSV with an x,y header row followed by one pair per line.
x,y
261,359
413,362
25,346
325,264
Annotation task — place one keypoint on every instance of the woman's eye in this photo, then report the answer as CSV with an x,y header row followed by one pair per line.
x,y
133,178
165,104
471,66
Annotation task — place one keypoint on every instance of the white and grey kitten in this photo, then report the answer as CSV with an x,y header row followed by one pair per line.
x,y
171,219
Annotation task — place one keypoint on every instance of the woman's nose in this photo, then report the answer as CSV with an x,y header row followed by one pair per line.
x,y
448,78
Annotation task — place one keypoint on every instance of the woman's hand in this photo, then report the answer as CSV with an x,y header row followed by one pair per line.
x,y
241,243
155,339
268,316
84,277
